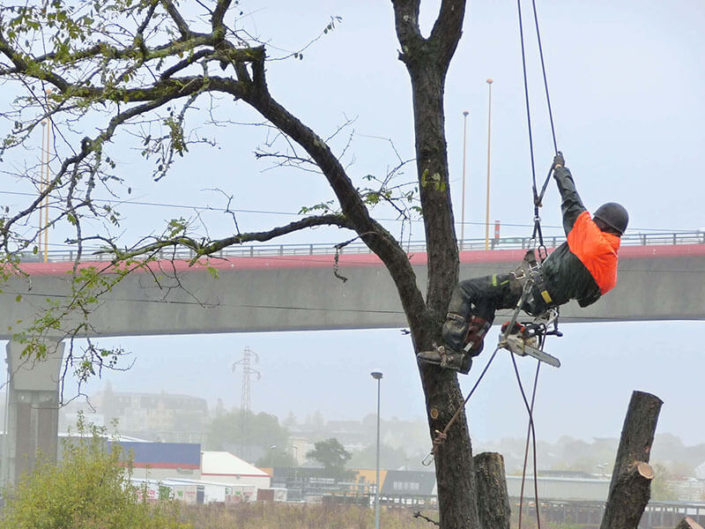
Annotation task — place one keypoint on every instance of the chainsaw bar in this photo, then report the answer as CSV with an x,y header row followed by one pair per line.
x,y
518,346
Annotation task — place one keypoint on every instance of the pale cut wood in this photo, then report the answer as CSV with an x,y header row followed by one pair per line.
x,y
688,523
630,489
493,507
645,470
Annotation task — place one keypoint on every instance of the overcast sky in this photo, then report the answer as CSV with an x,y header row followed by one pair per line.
x,y
627,81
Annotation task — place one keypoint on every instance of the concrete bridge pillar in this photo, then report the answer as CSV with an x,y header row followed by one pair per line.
x,y
32,414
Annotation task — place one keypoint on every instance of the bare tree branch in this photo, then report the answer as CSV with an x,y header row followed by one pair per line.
x,y
205,248
219,13
447,29
181,24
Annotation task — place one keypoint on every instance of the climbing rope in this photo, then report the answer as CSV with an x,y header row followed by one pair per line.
x,y
530,435
537,234
443,435
545,79
538,196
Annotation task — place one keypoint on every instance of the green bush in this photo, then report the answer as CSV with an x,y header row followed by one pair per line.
x,y
89,488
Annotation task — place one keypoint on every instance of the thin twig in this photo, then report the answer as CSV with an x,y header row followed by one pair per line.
x,y
418,514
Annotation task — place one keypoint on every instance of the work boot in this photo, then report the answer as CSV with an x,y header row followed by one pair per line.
x,y
445,357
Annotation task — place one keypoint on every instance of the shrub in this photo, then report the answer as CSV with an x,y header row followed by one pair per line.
x,y
89,488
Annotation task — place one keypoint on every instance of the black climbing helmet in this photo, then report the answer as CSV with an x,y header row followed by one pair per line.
x,y
614,215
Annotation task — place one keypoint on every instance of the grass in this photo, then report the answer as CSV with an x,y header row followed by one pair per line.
x,y
304,516
265,515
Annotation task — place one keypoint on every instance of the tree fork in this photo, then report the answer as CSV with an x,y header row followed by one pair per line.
x,y
630,488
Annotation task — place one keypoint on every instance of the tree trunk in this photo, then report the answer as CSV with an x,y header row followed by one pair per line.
x,y
688,523
453,460
493,509
630,488
427,60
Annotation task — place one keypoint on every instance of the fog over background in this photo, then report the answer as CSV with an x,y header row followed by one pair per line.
x,y
329,372
627,80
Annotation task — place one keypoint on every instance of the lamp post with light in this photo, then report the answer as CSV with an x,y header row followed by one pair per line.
x,y
377,375
465,137
489,137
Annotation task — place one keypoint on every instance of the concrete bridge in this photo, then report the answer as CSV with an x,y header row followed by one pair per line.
x,y
301,290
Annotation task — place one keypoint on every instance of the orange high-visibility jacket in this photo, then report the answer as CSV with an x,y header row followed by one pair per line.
x,y
584,267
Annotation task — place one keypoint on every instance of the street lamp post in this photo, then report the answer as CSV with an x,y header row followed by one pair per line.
x,y
377,375
465,137
489,137
45,177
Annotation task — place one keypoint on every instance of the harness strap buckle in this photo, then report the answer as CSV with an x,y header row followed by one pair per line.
x,y
530,270
455,317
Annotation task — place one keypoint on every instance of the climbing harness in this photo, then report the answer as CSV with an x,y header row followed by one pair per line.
x,y
530,270
527,338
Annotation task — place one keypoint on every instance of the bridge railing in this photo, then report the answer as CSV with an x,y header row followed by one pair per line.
x,y
272,250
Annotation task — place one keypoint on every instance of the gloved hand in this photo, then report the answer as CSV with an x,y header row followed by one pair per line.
x,y
558,160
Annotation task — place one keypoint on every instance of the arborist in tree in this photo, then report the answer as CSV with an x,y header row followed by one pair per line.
x,y
583,268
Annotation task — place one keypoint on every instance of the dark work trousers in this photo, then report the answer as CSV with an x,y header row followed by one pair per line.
x,y
482,297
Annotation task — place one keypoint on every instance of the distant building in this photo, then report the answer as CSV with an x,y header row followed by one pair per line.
x,y
299,447
224,467
408,486
153,416
194,476
577,487
158,461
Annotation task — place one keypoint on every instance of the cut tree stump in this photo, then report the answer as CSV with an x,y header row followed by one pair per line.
x,y
493,507
688,523
630,488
